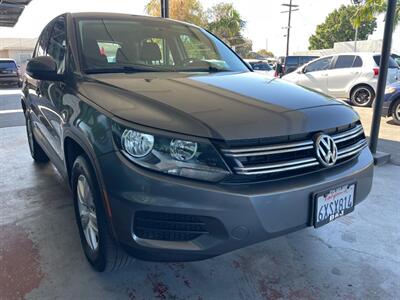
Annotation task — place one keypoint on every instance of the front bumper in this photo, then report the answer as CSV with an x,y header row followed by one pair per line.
x,y
244,214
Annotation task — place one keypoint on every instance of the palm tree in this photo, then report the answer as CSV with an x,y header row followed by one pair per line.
x,y
370,9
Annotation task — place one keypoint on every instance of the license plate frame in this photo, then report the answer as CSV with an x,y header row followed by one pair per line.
x,y
332,217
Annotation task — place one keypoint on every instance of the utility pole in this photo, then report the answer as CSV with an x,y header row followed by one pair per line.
x,y
164,8
290,5
380,157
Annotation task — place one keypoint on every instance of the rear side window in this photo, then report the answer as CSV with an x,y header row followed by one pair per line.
x,y
357,62
8,65
344,61
392,62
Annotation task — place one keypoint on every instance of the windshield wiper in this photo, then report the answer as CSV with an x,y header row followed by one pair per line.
x,y
123,69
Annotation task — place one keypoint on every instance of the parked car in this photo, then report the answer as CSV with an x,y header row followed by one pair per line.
x,y
391,104
349,75
396,58
260,66
177,151
291,63
9,72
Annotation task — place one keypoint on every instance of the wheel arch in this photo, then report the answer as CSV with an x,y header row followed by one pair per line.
x,y
75,146
393,102
361,85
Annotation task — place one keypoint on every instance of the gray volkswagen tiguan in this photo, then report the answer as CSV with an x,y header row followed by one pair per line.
x,y
174,149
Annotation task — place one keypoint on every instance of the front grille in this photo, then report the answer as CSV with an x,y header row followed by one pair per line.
x,y
168,227
280,160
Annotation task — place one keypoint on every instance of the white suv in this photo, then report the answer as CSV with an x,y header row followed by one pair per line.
x,y
347,75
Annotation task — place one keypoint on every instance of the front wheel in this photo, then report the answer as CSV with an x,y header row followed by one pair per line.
x,y
396,112
99,247
362,96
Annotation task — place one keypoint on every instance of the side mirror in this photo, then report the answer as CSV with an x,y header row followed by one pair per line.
x,y
43,68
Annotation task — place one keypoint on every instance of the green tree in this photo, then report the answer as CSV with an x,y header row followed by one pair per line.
x,y
338,27
226,23
190,11
370,9
222,19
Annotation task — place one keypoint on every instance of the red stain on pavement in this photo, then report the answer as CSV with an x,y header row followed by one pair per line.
x,y
268,292
159,288
20,269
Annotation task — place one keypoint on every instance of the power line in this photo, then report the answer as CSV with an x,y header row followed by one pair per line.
x,y
292,7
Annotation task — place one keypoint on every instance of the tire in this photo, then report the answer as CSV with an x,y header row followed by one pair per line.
x,y
36,150
362,96
99,247
396,112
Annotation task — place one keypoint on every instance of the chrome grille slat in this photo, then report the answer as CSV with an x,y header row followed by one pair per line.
x,y
251,160
289,147
268,148
278,170
277,165
269,152
354,148
358,129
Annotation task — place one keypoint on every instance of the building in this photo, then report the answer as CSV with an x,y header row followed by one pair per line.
x,y
19,49
343,47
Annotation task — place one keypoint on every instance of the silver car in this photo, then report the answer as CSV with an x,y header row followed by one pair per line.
x,y
347,75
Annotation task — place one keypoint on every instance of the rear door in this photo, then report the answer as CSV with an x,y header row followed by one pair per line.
x,y
315,74
345,70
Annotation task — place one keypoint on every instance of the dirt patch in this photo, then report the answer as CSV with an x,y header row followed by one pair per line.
x,y
20,269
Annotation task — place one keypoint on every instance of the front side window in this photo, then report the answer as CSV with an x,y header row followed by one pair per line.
x,y
128,45
43,41
57,44
319,65
344,61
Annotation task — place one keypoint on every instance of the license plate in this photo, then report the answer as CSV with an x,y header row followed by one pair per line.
x,y
333,204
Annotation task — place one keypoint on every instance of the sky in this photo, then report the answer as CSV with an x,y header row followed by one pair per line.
x,y
263,17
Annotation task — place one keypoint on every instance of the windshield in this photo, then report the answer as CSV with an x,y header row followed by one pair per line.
x,y
392,62
110,45
260,66
8,65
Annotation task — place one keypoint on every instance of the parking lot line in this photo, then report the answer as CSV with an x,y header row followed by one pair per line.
x,y
10,111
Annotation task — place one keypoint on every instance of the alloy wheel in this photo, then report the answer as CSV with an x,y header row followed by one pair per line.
x,y
397,112
87,212
362,96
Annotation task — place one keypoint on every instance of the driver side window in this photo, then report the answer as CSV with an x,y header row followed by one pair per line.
x,y
319,65
57,44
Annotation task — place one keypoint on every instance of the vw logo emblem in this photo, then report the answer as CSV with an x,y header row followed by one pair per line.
x,y
326,150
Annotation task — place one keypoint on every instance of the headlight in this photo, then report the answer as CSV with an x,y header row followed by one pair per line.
x,y
180,157
136,143
390,90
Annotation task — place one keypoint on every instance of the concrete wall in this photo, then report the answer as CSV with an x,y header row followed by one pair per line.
x,y
343,47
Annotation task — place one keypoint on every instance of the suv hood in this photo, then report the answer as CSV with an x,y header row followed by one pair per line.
x,y
226,106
